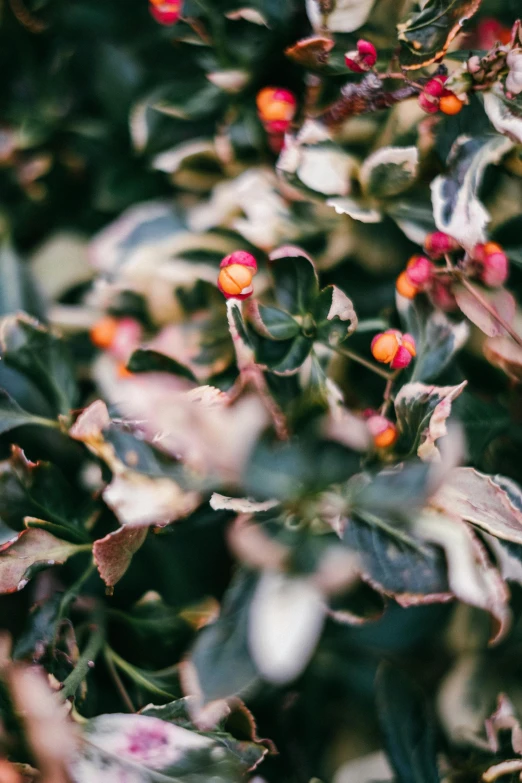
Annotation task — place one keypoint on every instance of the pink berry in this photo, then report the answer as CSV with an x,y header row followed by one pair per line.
x,y
361,59
419,270
438,244
240,257
401,359
495,270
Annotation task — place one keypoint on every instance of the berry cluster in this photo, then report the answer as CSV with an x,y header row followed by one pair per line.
x,y
383,431
435,97
486,262
165,12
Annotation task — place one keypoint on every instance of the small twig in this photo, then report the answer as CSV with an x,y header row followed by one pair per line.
x,y
366,98
118,681
387,397
361,360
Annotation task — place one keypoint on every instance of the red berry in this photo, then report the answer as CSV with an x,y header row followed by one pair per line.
x,y
168,13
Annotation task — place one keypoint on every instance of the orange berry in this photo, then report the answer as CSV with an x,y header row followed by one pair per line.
x,y
405,287
383,431
384,346
234,278
275,103
387,438
104,331
9,773
123,372
492,247
450,104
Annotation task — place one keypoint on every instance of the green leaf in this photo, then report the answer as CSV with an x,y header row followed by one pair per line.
x,y
407,726
283,357
32,551
457,208
296,468
296,281
397,563
395,494
145,748
42,357
482,421
426,35
275,323
39,490
146,360
12,415
40,629
17,290
389,171
220,658
334,316
436,337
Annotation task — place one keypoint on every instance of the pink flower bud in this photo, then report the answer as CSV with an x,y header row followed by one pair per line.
x,y
363,58
435,86
383,431
401,359
277,127
419,270
438,243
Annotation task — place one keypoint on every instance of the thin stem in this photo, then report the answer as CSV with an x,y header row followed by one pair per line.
x,y
361,360
491,310
85,662
107,652
387,397
70,595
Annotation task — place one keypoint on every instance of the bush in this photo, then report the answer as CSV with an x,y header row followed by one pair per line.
x,y
260,504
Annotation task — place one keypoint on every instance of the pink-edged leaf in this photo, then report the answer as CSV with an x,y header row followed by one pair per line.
x,y
30,552
504,352
139,500
113,553
478,499
501,300
422,412
472,577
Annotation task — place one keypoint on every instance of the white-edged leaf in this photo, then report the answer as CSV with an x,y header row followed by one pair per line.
x,y
355,209
113,553
139,500
286,618
347,16
389,171
505,115
457,208
501,300
482,501
240,505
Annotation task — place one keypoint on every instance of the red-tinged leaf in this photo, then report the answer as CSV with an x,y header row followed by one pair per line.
x,y
32,551
113,554
504,352
311,52
478,499
502,301
426,35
